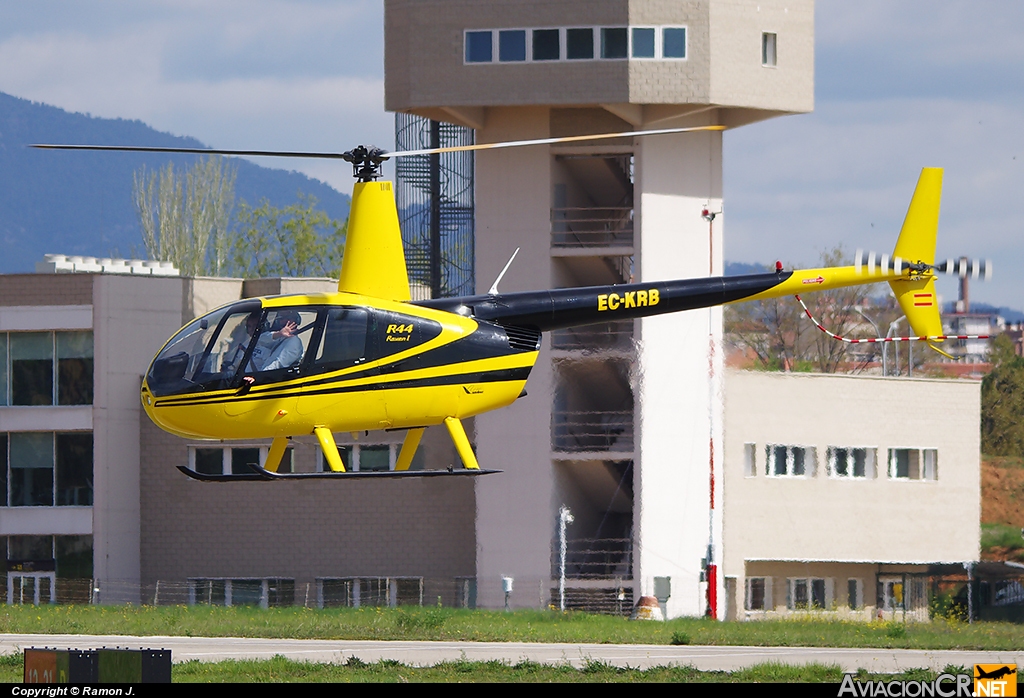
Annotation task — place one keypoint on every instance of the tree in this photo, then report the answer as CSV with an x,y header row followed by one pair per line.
x,y
295,241
1002,402
781,337
184,217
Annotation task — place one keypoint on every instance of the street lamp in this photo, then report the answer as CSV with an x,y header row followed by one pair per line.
x,y
564,518
885,345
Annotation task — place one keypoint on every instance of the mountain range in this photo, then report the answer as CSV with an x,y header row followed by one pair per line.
x,y
80,203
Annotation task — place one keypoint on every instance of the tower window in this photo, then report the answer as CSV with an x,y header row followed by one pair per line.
x,y
673,42
579,44
643,42
546,45
479,47
614,42
768,40
512,45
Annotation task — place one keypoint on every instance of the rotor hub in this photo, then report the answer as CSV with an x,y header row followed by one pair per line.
x,y
366,162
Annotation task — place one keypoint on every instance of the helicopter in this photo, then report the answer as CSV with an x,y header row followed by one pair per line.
x,y
368,357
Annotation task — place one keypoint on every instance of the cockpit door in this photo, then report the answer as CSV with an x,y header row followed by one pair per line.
x,y
341,389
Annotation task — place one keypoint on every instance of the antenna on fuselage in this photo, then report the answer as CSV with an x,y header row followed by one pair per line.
x,y
493,290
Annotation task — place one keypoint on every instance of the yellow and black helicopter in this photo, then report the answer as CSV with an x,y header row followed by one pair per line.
x,y
368,357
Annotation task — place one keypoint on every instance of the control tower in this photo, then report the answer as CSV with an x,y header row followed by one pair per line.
x,y
623,421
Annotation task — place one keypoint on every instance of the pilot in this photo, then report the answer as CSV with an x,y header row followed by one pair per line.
x,y
279,347
240,342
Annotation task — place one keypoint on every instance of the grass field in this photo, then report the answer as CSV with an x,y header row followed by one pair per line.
x,y
414,623
281,670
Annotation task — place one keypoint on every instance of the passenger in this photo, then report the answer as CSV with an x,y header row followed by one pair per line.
x,y
279,347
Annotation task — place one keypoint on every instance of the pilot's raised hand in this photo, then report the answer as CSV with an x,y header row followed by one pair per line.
x,y
287,331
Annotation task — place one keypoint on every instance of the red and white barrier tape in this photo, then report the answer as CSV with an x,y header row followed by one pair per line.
x,y
876,340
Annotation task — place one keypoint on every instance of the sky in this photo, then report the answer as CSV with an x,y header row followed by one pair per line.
x,y
898,86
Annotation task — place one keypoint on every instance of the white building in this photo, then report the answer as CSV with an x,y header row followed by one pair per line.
x,y
842,491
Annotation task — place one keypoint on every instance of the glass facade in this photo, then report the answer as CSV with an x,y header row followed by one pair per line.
x,y
41,469
46,368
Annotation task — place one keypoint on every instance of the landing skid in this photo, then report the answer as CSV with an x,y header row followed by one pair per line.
x,y
204,477
260,474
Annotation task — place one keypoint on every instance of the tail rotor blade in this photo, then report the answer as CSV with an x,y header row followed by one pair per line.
x,y
964,268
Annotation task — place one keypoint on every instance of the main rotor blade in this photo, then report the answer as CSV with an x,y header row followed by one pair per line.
x,y
375,154
547,141
200,151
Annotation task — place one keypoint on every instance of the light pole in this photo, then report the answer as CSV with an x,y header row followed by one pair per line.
x,y
564,519
885,345
892,330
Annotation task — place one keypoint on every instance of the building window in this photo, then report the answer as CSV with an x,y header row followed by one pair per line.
x,y
3,369
614,42
807,594
579,44
844,462
643,42
74,469
234,460
370,457
32,368
758,594
265,593
30,375
855,594
750,460
74,368
376,592
512,45
479,47
790,461
768,40
547,45
466,589
673,43
913,464
41,468
31,472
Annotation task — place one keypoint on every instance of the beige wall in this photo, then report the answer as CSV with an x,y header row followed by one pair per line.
x,y
516,521
133,317
298,530
871,520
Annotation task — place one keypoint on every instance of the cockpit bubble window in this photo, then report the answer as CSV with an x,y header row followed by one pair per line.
x,y
200,356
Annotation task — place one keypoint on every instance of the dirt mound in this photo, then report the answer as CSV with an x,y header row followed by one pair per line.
x,y
1002,491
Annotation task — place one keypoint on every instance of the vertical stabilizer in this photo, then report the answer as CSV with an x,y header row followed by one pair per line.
x,y
917,237
916,244
374,261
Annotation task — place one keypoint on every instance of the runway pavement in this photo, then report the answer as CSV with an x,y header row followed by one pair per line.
x,y
429,653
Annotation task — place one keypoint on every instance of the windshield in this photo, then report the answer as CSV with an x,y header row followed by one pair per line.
x,y
206,354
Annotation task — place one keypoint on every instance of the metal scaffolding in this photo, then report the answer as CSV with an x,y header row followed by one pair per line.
x,y
435,207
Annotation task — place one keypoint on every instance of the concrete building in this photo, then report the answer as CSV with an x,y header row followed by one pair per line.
x,y
840,494
843,493
621,432
95,508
